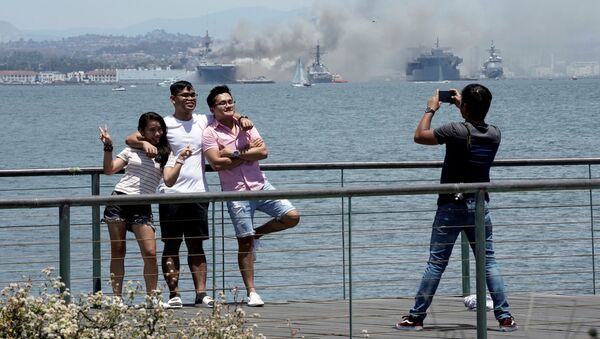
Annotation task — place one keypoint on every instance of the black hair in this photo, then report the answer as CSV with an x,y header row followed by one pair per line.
x,y
179,86
210,99
477,99
163,144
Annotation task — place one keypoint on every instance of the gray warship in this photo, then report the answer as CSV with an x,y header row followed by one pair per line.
x,y
492,67
317,72
435,65
211,72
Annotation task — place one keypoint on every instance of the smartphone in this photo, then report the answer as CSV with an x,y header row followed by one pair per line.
x,y
446,96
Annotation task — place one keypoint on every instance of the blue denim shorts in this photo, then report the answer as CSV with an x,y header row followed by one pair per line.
x,y
242,212
130,214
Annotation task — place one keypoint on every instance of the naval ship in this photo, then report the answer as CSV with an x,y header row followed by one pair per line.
x,y
435,65
211,72
317,72
492,68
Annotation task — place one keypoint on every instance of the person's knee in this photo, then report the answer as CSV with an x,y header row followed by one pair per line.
x,y
171,247
149,253
118,248
245,244
291,219
195,246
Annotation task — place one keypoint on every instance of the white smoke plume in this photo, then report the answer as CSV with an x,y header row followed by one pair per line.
x,y
363,40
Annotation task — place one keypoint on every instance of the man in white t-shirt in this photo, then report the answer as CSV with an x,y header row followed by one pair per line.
x,y
188,221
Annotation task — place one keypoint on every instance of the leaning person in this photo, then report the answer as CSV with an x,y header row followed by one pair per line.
x,y
181,222
234,153
471,147
142,175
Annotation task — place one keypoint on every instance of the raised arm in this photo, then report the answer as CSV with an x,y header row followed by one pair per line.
x,y
109,165
136,140
424,134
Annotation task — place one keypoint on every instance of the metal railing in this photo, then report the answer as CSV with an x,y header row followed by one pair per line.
x,y
347,195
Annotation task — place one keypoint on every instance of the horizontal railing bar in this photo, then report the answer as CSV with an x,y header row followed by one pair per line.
x,y
319,166
507,186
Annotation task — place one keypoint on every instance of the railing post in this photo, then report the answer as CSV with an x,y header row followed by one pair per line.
x,y
466,274
223,245
214,253
343,241
350,266
96,250
480,265
64,235
592,228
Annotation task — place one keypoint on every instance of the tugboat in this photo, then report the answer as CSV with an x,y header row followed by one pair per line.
x,y
211,72
435,65
317,72
492,68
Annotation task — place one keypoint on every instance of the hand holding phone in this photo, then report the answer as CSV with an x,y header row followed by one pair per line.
x,y
446,96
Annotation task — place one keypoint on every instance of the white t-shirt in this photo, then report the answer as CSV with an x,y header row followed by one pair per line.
x,y
181,133
142,174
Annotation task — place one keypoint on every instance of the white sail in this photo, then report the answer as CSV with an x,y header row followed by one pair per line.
x,y
299,79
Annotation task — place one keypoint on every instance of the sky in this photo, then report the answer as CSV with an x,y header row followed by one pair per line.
x,y
65,14
360,38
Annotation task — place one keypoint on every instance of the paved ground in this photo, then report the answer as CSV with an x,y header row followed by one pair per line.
x,y
538,316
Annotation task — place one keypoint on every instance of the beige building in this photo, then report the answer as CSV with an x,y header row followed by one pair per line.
x,y
102,76
18,77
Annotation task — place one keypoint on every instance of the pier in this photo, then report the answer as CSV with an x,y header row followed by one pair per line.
x,y
351,268
540,316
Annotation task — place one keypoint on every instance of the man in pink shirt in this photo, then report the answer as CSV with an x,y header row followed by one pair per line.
x,y
234,154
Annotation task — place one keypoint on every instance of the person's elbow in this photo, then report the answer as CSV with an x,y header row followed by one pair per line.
x,y
425,138
169,182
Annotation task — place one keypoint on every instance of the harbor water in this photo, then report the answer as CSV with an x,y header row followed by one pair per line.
x,y
57,127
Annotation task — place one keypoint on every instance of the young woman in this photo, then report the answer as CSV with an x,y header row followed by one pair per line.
x,y
142,175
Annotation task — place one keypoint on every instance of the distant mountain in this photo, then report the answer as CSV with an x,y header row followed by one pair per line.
x,y
220,24
8,32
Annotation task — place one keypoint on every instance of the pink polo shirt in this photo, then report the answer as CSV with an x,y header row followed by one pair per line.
x,y
245,177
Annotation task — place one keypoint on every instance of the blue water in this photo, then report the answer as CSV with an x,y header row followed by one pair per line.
x,y
57,126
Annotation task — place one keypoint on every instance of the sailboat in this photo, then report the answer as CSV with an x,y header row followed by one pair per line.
x,y
299,79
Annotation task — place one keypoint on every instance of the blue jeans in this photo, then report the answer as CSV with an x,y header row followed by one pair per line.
x,y
450,220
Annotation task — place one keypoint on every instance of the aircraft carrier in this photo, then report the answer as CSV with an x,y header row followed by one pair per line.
x,y
211,72
434,65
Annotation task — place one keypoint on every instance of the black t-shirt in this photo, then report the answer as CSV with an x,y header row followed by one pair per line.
x,y
463,163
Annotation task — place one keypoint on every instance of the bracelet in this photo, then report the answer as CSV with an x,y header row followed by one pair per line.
x,y
179,161
243,117
108,147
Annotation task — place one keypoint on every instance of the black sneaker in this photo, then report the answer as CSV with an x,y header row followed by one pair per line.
x,y
409,323
508,324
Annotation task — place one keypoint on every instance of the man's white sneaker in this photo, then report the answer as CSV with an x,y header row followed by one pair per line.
x,y
174,302
254,300
204,300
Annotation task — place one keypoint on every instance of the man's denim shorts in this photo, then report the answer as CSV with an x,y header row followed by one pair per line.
x,y
242,212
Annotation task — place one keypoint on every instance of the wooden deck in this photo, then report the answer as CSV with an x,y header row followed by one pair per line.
x,y
538,316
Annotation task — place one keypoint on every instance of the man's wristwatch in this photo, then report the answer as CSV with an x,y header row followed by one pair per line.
x,y
429,110
235,154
